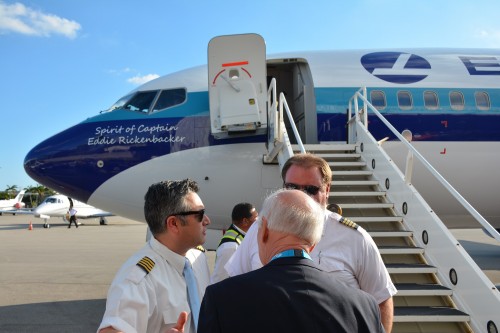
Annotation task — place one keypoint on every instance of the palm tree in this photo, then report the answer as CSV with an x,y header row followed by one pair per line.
x,y
38,193
11,190
34,195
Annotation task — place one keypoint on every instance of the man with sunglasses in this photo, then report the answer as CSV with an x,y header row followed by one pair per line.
x,y
156,290
345,250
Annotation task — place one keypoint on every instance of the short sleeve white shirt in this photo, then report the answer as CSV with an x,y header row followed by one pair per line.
x,y
151,302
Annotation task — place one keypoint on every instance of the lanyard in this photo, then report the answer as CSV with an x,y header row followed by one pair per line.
x,y
292,253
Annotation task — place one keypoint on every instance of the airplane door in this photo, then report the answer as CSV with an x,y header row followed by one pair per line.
x,y
237,84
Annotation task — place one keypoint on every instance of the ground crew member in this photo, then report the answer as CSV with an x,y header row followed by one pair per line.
x,y
243,216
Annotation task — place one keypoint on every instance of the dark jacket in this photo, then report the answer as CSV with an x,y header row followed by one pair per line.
x,y
287,295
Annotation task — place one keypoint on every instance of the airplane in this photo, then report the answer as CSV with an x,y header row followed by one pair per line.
x,y
10,205
169,128
58,206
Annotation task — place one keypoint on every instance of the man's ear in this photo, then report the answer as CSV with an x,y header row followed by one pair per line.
x,y
265,230
171,223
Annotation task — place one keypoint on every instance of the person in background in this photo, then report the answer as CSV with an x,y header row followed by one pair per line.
x,y
243,216
290,293
72,217
345,250
159,288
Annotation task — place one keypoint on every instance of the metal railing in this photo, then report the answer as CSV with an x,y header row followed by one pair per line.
x,y
361,116
279,145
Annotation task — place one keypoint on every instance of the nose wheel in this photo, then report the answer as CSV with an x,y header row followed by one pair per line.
x,y
46,225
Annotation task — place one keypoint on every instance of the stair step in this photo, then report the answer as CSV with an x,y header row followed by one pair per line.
x,y
367,205
329,156
346,164
358,194
410,268
428,314
358,219
352,173
422,289
354,182
325,147
396,233
400,250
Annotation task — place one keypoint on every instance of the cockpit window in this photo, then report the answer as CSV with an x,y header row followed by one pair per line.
x,y
141,101
120,103
50,200
169,98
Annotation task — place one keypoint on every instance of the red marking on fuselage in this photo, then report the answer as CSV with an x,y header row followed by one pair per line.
x,y
237,63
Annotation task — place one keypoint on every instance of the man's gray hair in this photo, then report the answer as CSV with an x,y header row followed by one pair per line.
x,y
294,212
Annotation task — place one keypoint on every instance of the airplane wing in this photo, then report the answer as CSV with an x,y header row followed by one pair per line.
x,y
96,215
15,211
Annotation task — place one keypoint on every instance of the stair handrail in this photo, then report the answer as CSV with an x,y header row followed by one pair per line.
x,y
284,104
278,142
361,116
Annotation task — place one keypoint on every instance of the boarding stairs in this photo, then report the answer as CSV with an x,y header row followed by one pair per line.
x,y
440,288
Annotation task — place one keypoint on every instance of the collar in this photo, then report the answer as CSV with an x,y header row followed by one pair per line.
x,y
239,230
176,260
296,253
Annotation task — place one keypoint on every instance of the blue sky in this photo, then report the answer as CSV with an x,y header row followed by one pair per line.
x,y
63,61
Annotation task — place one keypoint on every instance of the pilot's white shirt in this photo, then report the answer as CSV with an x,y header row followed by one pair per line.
x,y
224,252
151,302
348,254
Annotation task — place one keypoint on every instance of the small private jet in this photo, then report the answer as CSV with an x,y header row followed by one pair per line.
x,y
59,205
11,205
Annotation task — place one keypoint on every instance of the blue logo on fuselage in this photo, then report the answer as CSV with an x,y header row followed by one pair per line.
x,y
396,67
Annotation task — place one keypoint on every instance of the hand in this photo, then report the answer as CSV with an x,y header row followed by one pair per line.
x,y
109,329
181,322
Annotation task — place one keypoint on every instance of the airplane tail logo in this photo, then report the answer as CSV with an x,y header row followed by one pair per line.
x,y
396,67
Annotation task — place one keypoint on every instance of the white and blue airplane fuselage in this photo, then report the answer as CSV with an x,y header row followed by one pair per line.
x,y
448,98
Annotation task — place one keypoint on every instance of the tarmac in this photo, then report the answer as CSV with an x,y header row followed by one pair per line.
x,y
56,279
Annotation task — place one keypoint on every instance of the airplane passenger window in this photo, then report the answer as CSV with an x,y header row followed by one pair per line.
x,y
431,101
169,98
378,100
457,101
141,101
482,100
404,100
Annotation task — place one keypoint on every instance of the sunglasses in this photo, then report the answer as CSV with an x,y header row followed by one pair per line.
x,y
199,214
309,189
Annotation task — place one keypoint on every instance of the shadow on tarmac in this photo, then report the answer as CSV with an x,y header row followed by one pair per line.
x,y
74,316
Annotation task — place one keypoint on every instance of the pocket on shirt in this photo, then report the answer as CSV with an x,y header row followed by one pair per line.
x,y
171,313
329,265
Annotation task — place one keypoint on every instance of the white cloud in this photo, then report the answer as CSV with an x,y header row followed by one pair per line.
x,y
120,71
142,79
491,37
20,19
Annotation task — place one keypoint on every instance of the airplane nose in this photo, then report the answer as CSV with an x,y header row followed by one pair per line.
x,y
68,164
56,163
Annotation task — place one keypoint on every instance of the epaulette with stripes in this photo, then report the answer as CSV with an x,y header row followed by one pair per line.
x,y
146,264
348,223
200,248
